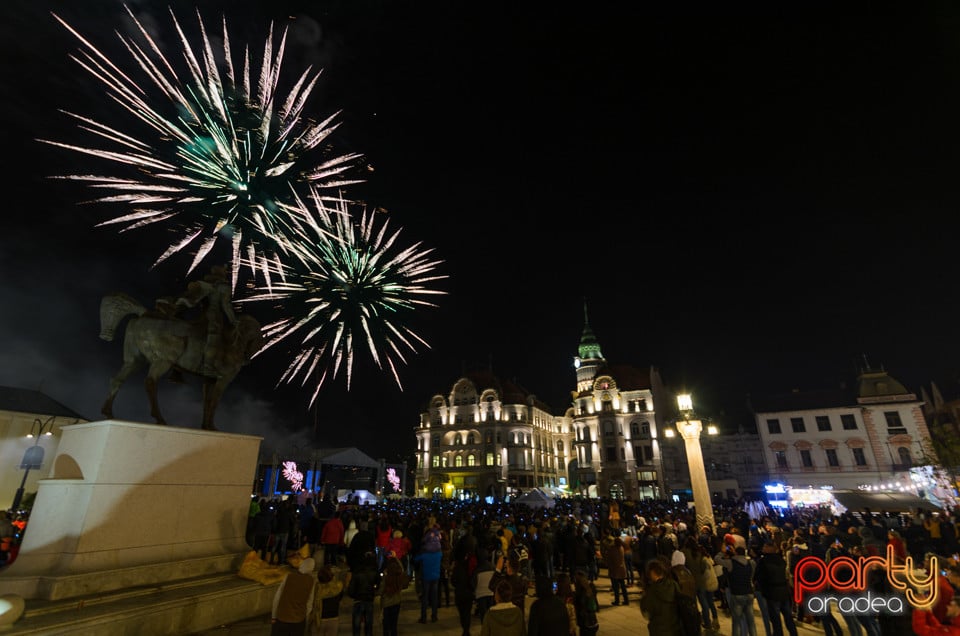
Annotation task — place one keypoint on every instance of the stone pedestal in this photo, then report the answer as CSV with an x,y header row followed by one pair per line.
x,y
130,504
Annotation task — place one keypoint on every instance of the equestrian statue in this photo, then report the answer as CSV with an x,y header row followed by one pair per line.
x,y
213,345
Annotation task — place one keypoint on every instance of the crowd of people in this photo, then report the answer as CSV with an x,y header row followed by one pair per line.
x,y
484,560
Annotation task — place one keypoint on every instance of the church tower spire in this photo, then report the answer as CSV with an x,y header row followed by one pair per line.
x,y
589,357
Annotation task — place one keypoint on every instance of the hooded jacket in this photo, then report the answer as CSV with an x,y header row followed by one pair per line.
x,y
503,619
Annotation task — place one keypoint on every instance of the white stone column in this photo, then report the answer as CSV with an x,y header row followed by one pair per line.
x,y
690,431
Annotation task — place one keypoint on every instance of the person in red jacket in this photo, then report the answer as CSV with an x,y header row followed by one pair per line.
x,y
331,538
926,624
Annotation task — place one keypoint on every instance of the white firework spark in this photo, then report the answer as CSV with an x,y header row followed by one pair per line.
x,y
226,147
355,284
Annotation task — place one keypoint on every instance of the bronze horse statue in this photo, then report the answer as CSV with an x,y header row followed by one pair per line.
x,y
167,343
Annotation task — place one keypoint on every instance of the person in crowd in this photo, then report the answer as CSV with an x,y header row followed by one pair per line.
x,y
613,551
362,588
363,543
701,565
293,601
482,576
400,545
508,569
659,601
461,577
771,579
306,524
395,580
283,525
331,538
446,567
740,571
428,565
548,614
263,529
350,531
566,594
326,603
382,535
504,618
585,603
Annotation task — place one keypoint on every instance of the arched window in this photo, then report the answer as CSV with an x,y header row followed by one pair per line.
x,y
905,457
443,461
489,460
471,439
560,447
457,441
458,461
471,460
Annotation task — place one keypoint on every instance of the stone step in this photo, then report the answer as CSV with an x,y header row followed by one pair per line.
x,y
178,607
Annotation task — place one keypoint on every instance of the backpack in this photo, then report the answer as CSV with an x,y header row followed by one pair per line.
x,y
431,541
741,577
688,613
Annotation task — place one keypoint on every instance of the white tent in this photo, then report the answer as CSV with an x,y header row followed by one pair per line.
x,y
535,499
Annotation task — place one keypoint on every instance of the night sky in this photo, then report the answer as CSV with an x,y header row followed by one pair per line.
x,y
750,198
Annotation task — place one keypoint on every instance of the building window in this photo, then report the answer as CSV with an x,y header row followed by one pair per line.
x,y
443,461
471,439
781,459
623,454
648,453
894,424
607,428
459,419
645,429
805,458
773,427
611,453
797,424
906,461
458,461
436,461
849,422
489,437
498,437
634,429
823,423
832,457
436,441
489,460
457,441
858,457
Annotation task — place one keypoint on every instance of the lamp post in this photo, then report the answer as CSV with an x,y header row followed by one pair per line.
x,y
690,430
33,456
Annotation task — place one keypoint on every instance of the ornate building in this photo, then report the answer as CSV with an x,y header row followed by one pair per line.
x,y
487,437
490,438
616,420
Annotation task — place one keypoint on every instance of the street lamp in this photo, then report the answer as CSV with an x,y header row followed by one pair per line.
x,y
690,430
33,456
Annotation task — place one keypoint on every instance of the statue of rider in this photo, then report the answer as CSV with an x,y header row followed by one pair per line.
x,y
215,295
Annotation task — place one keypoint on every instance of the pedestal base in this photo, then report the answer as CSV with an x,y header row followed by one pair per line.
x,y
130,504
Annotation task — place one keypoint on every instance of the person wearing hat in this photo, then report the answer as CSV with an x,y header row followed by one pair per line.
x,y
293,602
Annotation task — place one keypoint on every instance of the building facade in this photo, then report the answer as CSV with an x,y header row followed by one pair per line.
x,y
845,439
490,438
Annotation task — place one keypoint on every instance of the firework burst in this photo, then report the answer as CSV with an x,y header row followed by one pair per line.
x,y
225,147
356,286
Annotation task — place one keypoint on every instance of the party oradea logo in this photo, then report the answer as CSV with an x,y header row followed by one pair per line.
x,y
845,579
